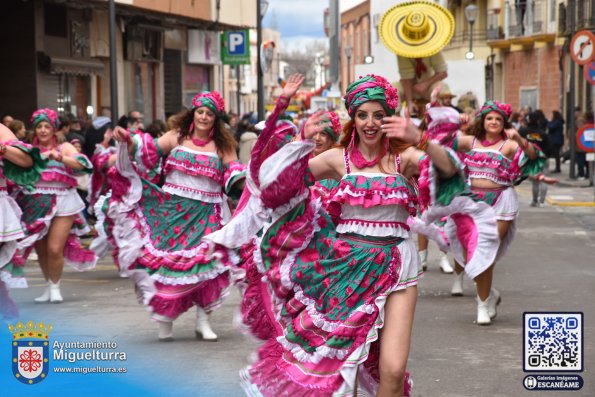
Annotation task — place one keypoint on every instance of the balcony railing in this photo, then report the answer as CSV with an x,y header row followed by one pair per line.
x,y
461,37
529,17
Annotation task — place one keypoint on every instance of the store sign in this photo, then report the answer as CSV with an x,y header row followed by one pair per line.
x,y
235,47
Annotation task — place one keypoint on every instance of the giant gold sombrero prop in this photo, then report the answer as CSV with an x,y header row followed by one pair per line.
x,y
416,29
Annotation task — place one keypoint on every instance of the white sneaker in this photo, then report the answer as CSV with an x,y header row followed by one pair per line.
x,y
203,328
493,302
55,295
445,265
483,316
45,297
424,259
457,286
166,333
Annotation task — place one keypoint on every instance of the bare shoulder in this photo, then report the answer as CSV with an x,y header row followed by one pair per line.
x,y
229,156
465,142
168,141
66,148
6,134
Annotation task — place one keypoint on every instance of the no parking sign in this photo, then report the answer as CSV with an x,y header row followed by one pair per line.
x,y
585,138
589,72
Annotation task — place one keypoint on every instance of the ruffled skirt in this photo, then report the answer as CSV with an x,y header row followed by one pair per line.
x,y
11,273
473,229
318,298
159,246
38,212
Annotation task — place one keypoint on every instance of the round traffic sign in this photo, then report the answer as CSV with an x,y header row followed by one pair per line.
x,y
585,138
589,72
582,47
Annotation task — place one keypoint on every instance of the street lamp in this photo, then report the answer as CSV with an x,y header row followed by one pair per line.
x,y
471,13
261,8
320,60
348,51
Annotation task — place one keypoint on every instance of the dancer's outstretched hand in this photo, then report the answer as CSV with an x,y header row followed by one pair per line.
x,y
121,134
293,83
401,128
315,124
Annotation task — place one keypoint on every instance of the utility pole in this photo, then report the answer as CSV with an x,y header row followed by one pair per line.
x,y
112,64
334,50
571,104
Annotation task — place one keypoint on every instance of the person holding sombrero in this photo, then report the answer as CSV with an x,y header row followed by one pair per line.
x,y
416,31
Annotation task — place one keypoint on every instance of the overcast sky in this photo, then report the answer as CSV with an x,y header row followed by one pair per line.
x,y
299,21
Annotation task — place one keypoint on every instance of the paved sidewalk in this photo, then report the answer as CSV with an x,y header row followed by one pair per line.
x,y
569,192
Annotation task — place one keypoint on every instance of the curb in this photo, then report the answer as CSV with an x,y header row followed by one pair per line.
x,y
570,203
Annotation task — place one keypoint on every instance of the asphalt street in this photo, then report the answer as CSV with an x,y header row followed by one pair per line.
x,y
550,268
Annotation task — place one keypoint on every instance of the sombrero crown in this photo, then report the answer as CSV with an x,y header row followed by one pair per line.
x,y
416,29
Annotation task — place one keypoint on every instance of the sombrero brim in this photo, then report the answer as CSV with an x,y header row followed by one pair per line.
x,y
442,27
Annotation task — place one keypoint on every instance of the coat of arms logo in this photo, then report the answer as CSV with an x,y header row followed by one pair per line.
x,y
30,351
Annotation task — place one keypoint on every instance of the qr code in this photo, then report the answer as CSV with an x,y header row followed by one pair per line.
x,y
553,342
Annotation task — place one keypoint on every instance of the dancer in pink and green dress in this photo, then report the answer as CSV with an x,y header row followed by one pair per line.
x,y
21,164
158,231
251,215
53,210
335,284
496,157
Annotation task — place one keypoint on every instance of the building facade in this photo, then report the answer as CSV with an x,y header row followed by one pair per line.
x,y
166,52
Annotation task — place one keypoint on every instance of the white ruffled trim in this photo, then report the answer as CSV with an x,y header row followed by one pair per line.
x,y
205,276
7,251
243,227
287,156
12,282
125,168
230,181
285,267
396,193
367,228
53,190
101,244
198,187
431,231
487,232
193,194
10,220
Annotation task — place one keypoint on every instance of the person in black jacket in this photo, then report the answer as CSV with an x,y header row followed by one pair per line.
x,y
555,130
535,133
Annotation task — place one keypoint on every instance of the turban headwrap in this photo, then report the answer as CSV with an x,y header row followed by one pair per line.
x,y
371,88
334,129
494,106
45,114
210,99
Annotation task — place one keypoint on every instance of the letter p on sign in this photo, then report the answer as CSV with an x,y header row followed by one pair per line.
x,y
236,43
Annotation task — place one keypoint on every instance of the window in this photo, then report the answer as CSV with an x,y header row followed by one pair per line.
x,y
55,20
529,97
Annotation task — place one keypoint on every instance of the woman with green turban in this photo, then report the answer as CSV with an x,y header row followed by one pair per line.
x,y
339,275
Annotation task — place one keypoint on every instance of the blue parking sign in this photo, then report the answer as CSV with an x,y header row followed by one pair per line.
x,y
235,47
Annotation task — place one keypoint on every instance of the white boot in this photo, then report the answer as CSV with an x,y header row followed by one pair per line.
x,y
483,316
445,265
493,301
45,297
457,286
424,259
55,295
166,333
203,328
